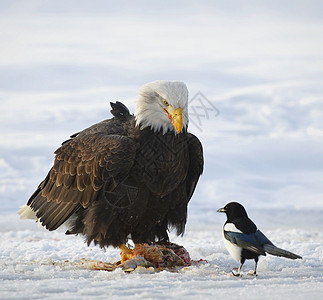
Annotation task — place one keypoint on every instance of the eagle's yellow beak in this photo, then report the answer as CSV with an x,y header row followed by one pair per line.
x,y
176,117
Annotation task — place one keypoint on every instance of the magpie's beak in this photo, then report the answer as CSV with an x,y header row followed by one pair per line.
x,y
222,210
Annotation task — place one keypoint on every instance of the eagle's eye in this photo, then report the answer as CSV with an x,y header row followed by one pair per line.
x,y
165,102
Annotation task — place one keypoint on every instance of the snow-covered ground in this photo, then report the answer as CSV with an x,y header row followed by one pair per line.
x,y
259,68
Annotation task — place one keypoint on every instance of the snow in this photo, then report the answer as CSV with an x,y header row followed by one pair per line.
x,y
28,269
259,67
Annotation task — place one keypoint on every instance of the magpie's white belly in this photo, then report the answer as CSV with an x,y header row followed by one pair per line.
x,y
234,250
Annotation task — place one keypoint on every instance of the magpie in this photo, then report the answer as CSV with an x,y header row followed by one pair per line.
x,y
244,241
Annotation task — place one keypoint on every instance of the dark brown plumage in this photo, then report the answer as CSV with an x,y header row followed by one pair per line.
x,y
115,181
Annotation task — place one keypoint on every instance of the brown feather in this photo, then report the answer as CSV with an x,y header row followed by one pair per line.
x,y
54,194
69,180
47,188
60,215
59,179
117,180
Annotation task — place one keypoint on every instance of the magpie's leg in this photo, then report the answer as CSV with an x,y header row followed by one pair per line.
x,y
255,270
239,270
256,263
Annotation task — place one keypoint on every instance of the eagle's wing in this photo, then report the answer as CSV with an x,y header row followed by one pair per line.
x,y
82,166
196,163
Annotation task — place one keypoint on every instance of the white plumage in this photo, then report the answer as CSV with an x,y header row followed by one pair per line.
x,y
234,250
150,106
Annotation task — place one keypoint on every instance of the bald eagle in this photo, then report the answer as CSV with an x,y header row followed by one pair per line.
x,y
128,177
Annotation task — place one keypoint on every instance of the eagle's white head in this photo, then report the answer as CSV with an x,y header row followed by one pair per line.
x,y
162,105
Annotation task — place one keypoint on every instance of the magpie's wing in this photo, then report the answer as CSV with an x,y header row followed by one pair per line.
x,y
246,241
262,239
272,249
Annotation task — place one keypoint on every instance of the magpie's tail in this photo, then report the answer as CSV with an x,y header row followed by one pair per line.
x,y
273,250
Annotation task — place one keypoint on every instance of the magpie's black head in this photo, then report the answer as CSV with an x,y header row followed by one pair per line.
x,y
233,210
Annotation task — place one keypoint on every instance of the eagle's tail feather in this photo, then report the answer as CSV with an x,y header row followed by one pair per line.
x,y
26,212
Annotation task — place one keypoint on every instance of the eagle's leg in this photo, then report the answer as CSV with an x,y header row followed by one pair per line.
x,y
125,253
157,255
149,252
152,253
